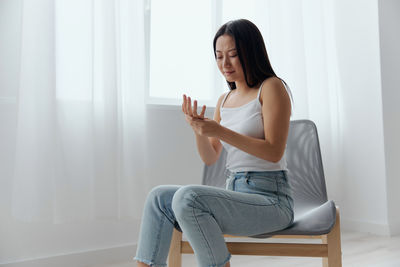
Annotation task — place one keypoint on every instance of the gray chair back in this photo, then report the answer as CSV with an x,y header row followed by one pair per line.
x,y
304,163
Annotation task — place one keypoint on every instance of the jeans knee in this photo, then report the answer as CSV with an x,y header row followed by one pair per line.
x,y
156,191
160,196
183,199
186,199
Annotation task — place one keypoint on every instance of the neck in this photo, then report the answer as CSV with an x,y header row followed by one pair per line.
x,y
242,87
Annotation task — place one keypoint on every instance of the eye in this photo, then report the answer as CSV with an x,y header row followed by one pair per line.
x,y
233,55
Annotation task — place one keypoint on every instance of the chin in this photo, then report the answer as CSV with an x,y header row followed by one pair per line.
x,y
229,79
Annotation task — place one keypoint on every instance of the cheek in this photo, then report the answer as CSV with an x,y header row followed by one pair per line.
x,y
237,64
219,64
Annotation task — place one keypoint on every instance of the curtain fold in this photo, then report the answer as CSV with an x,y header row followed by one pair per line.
x,y
81,138
301,41
81,115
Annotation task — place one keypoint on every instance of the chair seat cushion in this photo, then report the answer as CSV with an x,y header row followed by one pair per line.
x,y
317,221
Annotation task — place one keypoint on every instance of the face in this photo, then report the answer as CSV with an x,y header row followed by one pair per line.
x,y
228,59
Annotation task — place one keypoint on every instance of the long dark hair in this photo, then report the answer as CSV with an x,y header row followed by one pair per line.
x,y
251,50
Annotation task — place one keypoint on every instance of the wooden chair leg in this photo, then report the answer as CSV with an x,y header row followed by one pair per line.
x,y
332,239
175,255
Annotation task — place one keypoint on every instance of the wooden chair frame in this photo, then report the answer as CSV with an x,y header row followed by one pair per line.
x,y
329,250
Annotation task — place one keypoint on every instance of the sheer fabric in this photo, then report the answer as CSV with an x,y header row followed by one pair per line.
x,y
80,138
303,41
80,124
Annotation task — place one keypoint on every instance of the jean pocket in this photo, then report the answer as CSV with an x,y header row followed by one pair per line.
x,y
266,186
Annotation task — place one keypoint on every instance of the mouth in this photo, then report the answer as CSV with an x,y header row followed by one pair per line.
x,y
228,72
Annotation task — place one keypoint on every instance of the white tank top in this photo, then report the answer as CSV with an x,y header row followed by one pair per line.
x,y
247,120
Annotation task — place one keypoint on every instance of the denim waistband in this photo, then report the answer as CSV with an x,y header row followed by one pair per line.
x,y
279,173
272,179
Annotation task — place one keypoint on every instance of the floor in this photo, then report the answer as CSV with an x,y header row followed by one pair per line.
x,y
358,249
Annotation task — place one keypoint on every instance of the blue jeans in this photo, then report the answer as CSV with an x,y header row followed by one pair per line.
x,y
252,203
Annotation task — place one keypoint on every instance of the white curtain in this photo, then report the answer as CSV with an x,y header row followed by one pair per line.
x,y
81,116
80,145
301,40
305,38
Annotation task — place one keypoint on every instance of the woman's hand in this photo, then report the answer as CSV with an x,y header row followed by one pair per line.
x,y
200,125
189,112
205,127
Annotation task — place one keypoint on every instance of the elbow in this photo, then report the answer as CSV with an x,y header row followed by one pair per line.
x,y
212,159
276,157
275,160
209,163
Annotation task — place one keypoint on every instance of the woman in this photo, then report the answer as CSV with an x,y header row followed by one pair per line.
x,y
251,122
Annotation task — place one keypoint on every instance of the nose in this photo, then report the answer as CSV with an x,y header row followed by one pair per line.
x,y
226,62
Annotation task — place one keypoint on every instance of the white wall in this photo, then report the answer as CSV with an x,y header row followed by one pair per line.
x,y
172,152
389,26
362,188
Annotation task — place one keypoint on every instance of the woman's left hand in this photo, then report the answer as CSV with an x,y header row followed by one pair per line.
x,y
200,124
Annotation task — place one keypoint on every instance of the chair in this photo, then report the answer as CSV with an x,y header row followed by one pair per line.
x,y
314,216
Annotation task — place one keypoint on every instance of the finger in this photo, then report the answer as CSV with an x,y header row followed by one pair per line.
x,y
187,105
203,111
190,112
184,104
195,108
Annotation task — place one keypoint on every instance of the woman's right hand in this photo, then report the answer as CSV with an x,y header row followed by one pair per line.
x,y
190,112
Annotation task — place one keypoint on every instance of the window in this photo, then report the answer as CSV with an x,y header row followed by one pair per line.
x,y
181,54
181,57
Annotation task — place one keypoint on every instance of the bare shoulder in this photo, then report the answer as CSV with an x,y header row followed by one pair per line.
x,y
221,98
272,89
217,107
273,83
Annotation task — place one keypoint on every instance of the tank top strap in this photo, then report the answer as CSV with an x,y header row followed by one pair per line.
x,y
259,90
223,100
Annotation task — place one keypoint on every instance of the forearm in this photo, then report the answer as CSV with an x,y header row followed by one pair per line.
x,y
205,149
254,146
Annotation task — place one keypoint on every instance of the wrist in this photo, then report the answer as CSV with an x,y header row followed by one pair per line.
x,y
220,131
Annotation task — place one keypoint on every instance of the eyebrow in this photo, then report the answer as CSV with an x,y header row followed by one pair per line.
x,y
228,50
